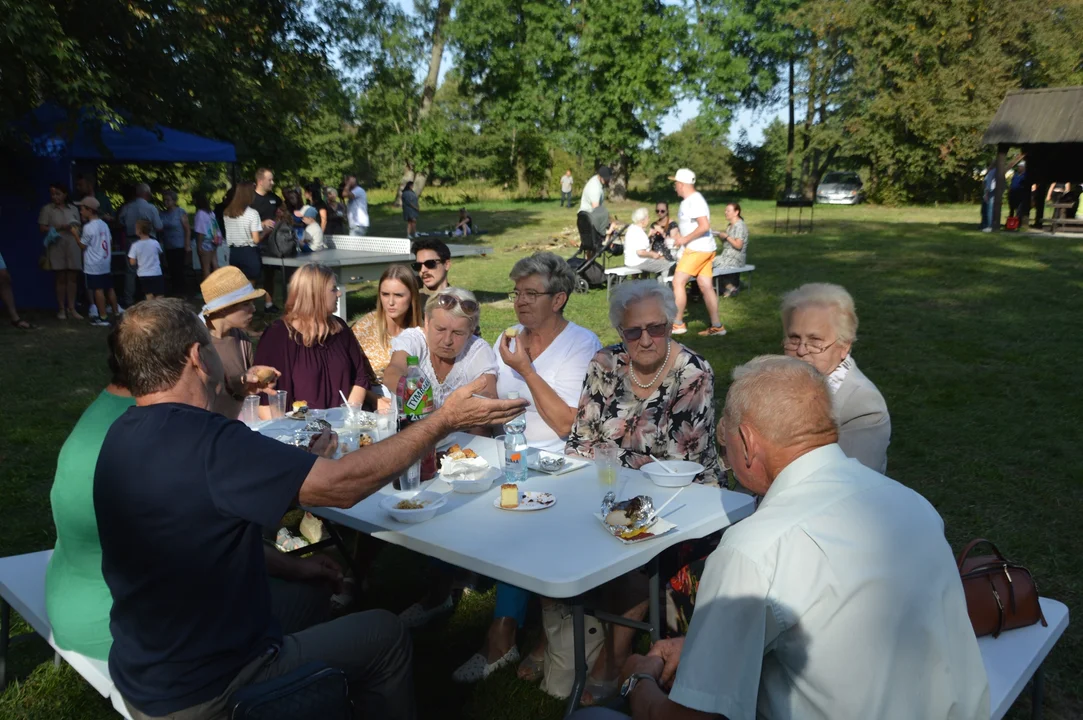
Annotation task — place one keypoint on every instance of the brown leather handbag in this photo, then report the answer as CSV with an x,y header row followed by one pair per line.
x,y
1000,595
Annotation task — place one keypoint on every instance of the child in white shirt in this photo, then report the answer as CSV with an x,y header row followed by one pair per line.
x,y
145,256
97,244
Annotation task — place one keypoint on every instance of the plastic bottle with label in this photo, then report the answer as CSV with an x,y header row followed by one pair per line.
x,y
515,447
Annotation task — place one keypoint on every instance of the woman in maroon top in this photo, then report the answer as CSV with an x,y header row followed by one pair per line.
x,y
314,350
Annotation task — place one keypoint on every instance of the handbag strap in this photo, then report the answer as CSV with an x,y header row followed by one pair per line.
x,y
973,544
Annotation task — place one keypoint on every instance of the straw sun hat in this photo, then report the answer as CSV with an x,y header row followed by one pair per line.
x,y
224,287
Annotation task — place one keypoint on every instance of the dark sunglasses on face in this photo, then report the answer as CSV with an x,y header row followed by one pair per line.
x,y
430,264
449,301
660,210
655,331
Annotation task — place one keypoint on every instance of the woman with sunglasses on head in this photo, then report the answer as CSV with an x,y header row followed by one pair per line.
x,y
314,350
819,326
448,352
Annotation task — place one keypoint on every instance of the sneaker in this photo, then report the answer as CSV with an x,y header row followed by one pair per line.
x,y
679,328
100,323
93,314
416,615
61,315
713,330
988,229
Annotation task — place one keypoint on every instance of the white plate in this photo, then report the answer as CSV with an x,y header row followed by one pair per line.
x,y
570,463
530,500
475,486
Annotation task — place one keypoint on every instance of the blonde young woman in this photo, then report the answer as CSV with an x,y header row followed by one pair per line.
x,y
314,350
397,308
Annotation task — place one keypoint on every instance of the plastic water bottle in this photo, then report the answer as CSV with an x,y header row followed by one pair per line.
x,y
411,479
515,446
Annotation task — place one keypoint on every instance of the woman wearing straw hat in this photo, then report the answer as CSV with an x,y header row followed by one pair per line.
x,y
229,307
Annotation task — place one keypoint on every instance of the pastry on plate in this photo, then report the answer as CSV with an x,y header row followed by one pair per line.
x,y
509,495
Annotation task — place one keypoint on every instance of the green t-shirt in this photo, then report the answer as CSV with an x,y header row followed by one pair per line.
x,y
76,596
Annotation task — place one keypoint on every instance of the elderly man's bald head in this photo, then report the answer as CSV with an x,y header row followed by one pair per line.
x,y
153,340
784,399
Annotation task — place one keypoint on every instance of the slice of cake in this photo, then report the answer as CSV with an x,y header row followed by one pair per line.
x,y
509,495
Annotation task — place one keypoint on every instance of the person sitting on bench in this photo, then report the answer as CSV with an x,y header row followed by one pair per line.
x,y
181,495
637,246
838,598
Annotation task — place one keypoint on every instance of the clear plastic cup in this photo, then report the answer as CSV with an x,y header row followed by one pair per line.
x,y
605,461
279,404
250,410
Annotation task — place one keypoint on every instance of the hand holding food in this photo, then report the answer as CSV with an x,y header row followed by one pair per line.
x,y
261,378
517,359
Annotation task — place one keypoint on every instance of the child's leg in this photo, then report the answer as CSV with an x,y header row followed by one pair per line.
x,y
111,294
99,301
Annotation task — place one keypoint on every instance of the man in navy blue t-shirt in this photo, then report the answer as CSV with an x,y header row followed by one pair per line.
x,y
180,495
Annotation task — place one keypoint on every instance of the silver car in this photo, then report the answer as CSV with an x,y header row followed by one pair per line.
x,y
840,188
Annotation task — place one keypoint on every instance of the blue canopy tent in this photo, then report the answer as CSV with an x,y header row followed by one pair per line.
x,y
56,146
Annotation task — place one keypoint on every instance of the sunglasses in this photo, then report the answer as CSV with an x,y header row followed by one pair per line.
x,y
657,330
430,264
660,210
448,302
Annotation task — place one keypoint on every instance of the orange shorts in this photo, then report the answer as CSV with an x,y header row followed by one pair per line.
x,y
696,263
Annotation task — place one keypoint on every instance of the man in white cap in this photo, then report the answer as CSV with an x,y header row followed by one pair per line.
x,y
693,234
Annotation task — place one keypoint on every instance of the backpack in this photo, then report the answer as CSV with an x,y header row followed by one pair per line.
x,y
282,242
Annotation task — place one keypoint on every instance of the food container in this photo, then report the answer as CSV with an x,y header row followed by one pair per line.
x,y
474,486
684,473
432,501
638,511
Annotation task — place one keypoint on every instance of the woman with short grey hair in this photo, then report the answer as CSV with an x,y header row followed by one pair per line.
x,y
637,246
819,326
176,239
544,358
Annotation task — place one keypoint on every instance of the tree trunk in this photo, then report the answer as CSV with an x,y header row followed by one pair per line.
x,y
522,181
618,185
808,191
789,135
428,92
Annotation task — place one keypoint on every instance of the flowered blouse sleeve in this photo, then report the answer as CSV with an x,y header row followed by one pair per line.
x,y
688,426
588,429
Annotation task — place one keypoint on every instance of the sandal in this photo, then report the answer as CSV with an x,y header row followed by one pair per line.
x,y
23,325
598,691
417,616
477,668
531,668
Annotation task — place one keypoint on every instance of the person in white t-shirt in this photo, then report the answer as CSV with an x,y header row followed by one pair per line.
x,y
145,256
357,212
637,246
594,190
544,360
97,244
693,234
566,182
797,615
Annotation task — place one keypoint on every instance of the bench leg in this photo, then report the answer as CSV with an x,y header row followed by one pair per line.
x,y
1037,690
5,632
608,286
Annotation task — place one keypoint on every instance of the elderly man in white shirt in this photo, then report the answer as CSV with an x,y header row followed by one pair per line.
x,y
838,598
357,212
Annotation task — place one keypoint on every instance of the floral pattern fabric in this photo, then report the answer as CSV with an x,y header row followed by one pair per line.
x,y
376,350
676,422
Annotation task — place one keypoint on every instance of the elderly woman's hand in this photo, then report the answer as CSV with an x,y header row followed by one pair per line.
x,y
517,359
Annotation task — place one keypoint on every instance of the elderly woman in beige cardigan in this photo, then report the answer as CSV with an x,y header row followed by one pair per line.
x,y
819,325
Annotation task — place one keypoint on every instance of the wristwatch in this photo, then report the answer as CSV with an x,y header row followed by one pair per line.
x,y
633,680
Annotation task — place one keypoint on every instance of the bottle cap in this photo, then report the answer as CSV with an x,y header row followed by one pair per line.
x,y
513,395
411,360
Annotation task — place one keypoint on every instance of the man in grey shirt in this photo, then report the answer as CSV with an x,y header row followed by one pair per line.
x,y
594,190
138,209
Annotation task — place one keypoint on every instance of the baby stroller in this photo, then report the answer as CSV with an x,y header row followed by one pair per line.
x,y
589,262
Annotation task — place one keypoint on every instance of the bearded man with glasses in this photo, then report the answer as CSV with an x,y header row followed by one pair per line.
x,y
819,325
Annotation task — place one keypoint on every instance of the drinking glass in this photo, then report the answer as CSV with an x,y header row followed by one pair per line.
x,y
278,403
500,451
605,461
250,410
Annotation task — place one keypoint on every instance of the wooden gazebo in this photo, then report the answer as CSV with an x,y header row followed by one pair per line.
x,y
1047,126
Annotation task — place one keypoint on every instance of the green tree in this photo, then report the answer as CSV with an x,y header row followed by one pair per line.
x,y
697,145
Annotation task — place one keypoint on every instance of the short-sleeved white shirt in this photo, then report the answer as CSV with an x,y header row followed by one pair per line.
x,y
635,239
146,254
838,598
593,192
692,208
566,183
563,365
97,258
475,359
239,229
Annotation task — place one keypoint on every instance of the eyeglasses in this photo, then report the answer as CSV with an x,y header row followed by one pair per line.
x,y
660,210
812,347
430,264
531,296
448,302
337,289
632,334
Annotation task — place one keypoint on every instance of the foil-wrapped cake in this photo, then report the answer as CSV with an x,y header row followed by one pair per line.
x,y
627,518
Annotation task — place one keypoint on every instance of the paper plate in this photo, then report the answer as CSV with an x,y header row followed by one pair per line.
x,y
529,501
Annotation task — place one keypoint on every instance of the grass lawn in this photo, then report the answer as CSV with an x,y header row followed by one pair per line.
x,y
972,339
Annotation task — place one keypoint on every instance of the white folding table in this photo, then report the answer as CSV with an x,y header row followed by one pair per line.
x,y
560,552
356,259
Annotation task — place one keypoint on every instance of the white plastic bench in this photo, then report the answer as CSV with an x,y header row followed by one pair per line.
x,y
22,586
619,272
718,272
1017,655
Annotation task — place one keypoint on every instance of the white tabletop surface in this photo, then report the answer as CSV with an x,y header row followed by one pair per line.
x,y
1011,659
346,258
559,552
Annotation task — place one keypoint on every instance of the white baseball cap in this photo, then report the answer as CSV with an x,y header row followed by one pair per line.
x,y
684,175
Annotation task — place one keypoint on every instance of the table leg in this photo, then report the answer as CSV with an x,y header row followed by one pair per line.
x,y
340,311
579,633
5,632
655,591
1037,690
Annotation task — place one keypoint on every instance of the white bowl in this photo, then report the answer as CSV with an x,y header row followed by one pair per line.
x,y
475,486
684,472
433,502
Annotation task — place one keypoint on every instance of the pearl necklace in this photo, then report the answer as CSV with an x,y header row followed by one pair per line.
x,y
632,371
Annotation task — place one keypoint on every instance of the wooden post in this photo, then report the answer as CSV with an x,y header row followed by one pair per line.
x,y
998,197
